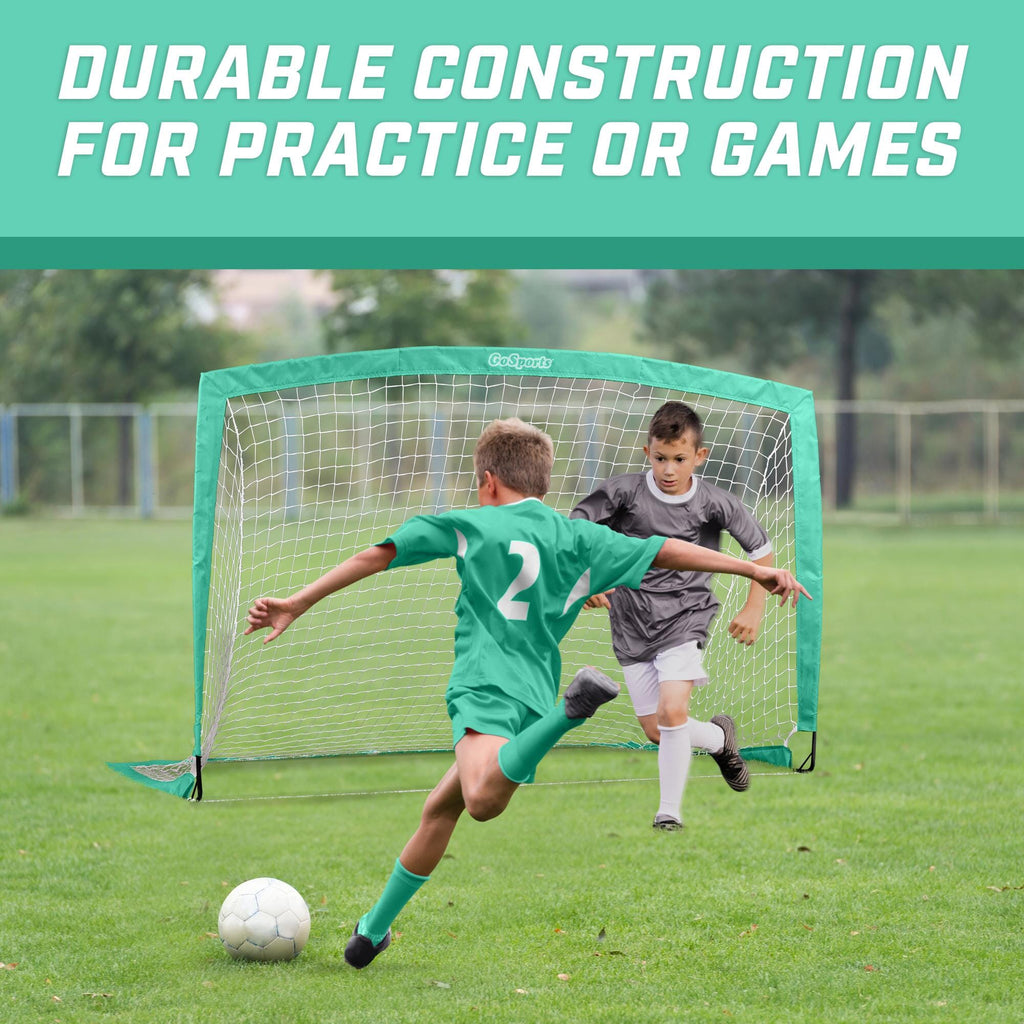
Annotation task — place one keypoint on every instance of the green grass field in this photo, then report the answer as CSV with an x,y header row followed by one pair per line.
x,y
886,886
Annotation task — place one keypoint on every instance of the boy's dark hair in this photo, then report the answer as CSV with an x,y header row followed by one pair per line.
x,y
672,421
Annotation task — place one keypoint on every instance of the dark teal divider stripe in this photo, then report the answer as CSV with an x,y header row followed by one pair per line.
x,y
584,252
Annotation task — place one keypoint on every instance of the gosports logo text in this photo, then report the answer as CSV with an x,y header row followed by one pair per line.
x,y
514,361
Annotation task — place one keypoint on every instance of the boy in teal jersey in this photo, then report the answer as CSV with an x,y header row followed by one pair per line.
x,y
525,573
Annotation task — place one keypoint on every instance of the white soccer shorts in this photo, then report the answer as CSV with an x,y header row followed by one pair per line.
x,y
644,679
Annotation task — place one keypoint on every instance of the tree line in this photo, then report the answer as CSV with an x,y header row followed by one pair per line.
x,y
111,335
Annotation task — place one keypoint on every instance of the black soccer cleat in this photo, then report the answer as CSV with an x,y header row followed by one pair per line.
x,y
360,951
731,765
664,823
588,690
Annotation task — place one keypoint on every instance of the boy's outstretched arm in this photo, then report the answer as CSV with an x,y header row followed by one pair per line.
x,y
747,623
681,555
278,613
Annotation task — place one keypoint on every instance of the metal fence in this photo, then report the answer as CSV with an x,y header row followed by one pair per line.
x,y
951,460
954,461
88,458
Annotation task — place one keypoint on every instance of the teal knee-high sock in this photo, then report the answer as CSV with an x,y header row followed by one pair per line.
x,y
400,888
518,759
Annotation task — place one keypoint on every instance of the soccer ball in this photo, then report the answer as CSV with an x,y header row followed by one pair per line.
x,y
263,919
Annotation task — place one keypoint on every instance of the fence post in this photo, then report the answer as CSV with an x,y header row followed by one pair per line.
x,y
144,445
154,447
292,427
591,463
8,458
77,461
992,463
903,462
438,459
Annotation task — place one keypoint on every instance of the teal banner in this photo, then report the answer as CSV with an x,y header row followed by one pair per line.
x,y
526,134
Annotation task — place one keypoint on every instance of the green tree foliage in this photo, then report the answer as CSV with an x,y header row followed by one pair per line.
x,y
393,308
767,318
104,335
545,306
762,318
943,357
991,301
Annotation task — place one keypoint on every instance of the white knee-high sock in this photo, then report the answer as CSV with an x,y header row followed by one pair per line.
x,y
673,768
706,735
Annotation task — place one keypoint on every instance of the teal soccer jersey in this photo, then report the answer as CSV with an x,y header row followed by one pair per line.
x,y
525,571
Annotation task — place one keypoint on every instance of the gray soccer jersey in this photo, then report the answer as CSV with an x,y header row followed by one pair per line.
x,y
670,608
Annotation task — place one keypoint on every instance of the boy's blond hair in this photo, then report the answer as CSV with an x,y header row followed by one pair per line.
x,y
518,454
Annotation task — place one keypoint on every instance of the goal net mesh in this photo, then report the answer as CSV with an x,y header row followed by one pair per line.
x,y
310,474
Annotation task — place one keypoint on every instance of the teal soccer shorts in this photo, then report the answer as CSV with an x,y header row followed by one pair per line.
x,y
488,710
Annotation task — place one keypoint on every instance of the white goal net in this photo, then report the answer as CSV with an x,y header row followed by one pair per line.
x,y
310,473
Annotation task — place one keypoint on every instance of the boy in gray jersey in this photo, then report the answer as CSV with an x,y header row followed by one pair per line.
x,y
525,573
660,629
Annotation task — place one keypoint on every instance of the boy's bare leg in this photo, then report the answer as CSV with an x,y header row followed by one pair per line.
x,y
422,853
477,783
474,783
486,789
486,794
649,724
441,813
674,701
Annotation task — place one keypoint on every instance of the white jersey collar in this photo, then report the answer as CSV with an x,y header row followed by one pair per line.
x,y
671,499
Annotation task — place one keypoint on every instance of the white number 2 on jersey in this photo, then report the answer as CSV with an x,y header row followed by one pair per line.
x,y
507,603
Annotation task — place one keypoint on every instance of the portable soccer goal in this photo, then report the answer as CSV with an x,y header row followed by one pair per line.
x,y
301,463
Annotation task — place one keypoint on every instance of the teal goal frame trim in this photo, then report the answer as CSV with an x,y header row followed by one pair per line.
x,y
218,387
183,786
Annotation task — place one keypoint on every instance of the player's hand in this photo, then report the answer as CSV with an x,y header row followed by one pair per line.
x,y
781,583
745,627
271,613
599,600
